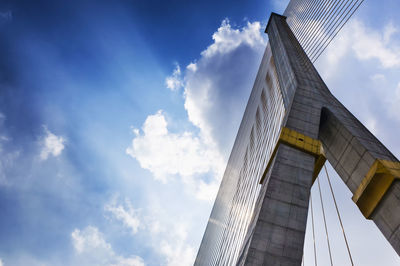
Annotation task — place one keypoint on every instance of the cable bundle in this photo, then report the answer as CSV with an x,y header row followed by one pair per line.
x,y
316,23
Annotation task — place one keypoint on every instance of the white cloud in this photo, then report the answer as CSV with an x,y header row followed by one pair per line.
x,y
192,67
216,89
227,39
388,32
167,154
366,44
89,238
369,44
207,191
124,213
51,145
174,82
167,236
216,93
177,252
1,262
92,249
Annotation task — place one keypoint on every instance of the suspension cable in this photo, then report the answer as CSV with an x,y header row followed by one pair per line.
x,y
315,23
313,231
338,214
330,28
326,228
326,45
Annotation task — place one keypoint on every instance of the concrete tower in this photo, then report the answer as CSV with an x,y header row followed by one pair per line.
x,y
292,123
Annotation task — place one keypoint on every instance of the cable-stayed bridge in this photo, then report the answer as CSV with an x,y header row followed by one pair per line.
x,y
293,124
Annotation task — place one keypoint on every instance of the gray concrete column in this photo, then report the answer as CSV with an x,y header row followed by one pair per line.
x,y
278,234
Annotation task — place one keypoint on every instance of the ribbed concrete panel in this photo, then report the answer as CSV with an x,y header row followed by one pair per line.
x,y
234,205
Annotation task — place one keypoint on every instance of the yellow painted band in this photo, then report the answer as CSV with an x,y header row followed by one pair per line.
x,y
375,185
301,142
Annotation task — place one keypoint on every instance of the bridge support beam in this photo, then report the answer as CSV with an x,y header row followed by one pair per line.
x,y
276,233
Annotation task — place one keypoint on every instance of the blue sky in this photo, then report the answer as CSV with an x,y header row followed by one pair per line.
x,y
117,119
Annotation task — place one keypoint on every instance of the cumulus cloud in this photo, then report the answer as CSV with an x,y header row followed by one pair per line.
x,y
51,145
218,85
125,213
165,153
89,238
92,249
216,88
369,44
177,252
192,67
389,30
227,39
174,82
167,236
366,44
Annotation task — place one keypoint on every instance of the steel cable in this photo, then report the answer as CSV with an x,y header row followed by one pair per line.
x,y
317,14
329,17
293,15
319,24
313,231
330,26
298,18
316,23
335,20
338,31
338,214
326,228
304,16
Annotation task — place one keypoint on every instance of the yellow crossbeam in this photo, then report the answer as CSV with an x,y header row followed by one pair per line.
x,y
304,143
375,185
